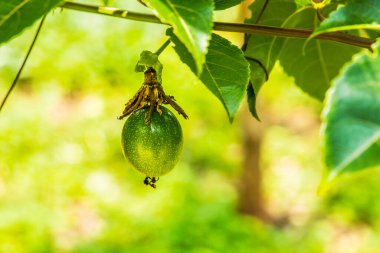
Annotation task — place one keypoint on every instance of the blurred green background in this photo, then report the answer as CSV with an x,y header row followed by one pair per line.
x,y
65,186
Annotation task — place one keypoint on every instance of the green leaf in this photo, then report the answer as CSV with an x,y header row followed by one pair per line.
x,y
265,49
257,79
192,23
316,65
357,14
225,4
16,15
351,121
225,72
318,4
251,99
303,2
107,2
149,60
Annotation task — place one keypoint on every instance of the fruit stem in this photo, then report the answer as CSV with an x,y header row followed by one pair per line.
x,y
162,48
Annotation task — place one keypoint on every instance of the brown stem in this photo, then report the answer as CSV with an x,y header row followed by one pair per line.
x,y
228,27
293,33
141,2
262,11
320,15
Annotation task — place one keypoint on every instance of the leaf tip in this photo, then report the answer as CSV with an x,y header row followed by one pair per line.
x,y
254,114
231,116
326,183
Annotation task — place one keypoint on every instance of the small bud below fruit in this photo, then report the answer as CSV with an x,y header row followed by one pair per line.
x,y
151,181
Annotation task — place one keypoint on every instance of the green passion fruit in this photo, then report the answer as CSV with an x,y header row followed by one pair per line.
x,y
152,149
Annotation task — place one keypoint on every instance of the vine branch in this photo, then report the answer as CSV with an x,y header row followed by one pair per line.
x,y
23,63
227,27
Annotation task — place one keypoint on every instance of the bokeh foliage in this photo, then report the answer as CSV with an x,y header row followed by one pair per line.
x,y
65,187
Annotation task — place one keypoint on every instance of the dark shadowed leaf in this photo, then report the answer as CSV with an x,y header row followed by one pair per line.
x,y
16,15
251,99
265,49
225,4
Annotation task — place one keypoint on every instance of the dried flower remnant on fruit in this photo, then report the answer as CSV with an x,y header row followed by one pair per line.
x,y
152,95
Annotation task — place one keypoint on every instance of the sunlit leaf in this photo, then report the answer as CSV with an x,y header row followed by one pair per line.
x,y
149,60
225,4
192,23
356,14
16,15
319,3
351,123
225,72
107,2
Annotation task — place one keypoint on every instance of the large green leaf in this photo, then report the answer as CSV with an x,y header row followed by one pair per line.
x,y
16,15
303,2
265,49
314,66
319,4
224,4
351,122
357,14
225,72
192,23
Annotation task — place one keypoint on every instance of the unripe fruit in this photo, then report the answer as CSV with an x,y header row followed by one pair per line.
x,y
152,149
